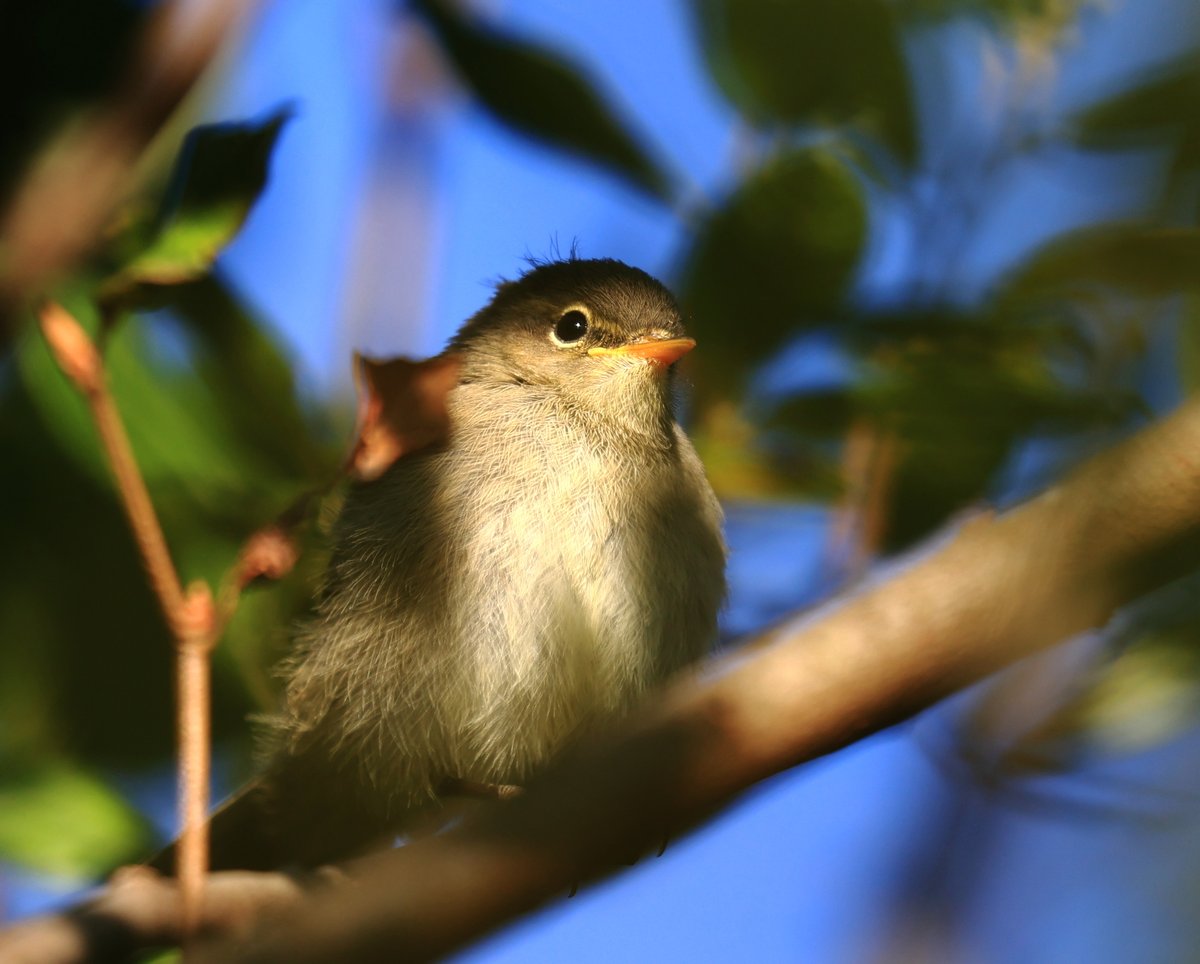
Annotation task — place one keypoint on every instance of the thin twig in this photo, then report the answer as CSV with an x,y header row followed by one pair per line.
x,y
190,616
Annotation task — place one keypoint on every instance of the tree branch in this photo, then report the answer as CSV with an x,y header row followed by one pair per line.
x,y
997,589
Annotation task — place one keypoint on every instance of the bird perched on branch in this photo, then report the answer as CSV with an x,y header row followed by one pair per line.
x,y
491,599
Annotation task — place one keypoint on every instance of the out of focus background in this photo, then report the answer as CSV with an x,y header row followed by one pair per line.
x,y
934,252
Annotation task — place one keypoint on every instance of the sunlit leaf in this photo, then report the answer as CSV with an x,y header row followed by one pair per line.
x,y
812,62
537,92
219,174
774,258
62,820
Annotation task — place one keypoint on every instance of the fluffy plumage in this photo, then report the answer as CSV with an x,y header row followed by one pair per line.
x,y
489,601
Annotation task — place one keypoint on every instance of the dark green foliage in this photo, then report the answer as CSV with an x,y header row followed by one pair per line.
x,y
225,444
832,62
539,93
776,257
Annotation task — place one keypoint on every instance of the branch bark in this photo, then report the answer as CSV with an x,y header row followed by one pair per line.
x,y
995,590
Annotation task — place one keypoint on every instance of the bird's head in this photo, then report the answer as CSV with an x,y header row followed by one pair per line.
x,y
602,334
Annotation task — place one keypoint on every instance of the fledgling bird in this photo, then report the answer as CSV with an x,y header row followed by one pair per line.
x,y
492,599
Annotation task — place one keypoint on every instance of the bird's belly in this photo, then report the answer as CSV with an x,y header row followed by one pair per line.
x,y
572,622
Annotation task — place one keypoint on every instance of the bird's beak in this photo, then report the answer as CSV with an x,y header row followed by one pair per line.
x,y
661,351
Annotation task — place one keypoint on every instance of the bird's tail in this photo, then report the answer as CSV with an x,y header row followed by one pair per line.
x,y
297,815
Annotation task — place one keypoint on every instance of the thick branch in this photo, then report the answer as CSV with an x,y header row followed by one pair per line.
x,y
999,589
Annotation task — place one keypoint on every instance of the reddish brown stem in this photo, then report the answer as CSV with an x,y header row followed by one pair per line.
x,y
195,686
860,521
190,617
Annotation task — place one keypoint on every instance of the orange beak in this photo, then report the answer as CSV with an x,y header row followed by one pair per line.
x,y
660,351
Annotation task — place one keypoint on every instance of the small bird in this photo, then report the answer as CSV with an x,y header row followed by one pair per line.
x,y
492,599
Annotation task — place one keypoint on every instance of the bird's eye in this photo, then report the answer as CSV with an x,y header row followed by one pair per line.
x,y
572,326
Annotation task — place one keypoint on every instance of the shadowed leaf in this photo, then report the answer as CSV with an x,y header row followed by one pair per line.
x,y
812,62
1165,100
1141,259
776,256
535,91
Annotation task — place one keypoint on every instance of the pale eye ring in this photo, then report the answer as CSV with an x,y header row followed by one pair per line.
x,y
571,327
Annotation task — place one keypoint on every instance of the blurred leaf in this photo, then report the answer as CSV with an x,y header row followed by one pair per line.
x,y
535,91
225,445
89,45
1141,259
1145,695
227,430
61,820
825,414
742,463
1165,100
956,418
812,62
219,174
1047,16
249,382
780,252
989,333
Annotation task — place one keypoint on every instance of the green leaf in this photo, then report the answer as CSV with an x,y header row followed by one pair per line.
x,y
976,335
812,62
1164,100
220,172
744,464
538,93
62,820
225,446
825,414
1140,259
777,256
1046,16
249,384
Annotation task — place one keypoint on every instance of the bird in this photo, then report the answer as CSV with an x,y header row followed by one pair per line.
x,y
492,599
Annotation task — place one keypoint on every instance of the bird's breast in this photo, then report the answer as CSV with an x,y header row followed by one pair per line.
x,y
590,573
